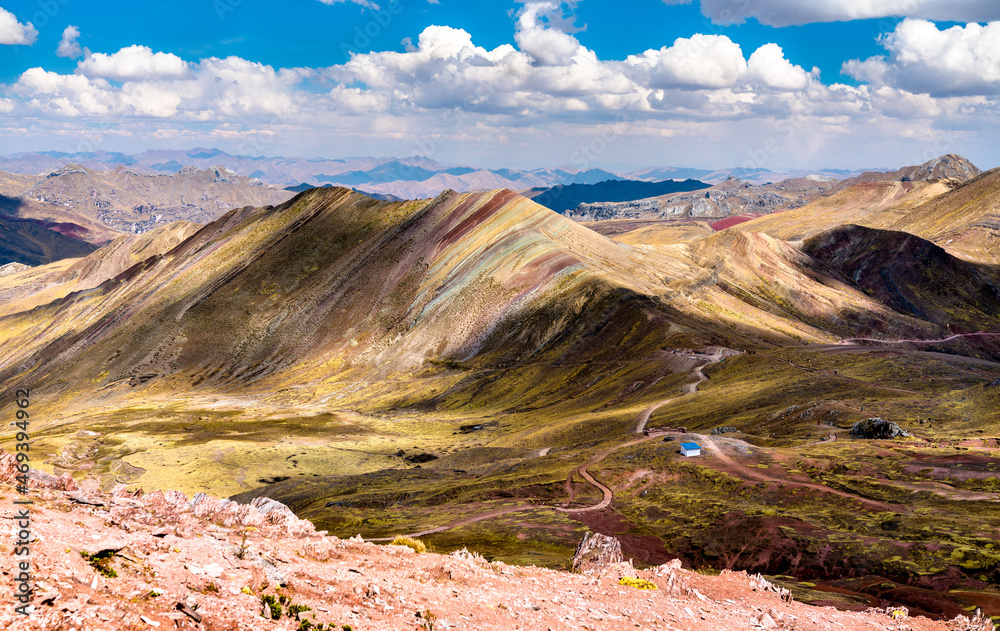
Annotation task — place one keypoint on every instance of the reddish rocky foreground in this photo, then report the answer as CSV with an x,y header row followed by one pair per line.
x,y
203,563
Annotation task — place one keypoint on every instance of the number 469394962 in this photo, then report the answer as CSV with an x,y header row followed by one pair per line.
x,y
21,396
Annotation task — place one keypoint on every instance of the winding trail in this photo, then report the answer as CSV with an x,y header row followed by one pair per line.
x,y
643,418
464,522
753,474
582,470
640,427
826,441
607,493
730,465
688,388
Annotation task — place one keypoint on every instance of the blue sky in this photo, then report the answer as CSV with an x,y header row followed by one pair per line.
x,y
303,34
774,83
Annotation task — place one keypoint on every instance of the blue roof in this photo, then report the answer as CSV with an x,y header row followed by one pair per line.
x,y
690,446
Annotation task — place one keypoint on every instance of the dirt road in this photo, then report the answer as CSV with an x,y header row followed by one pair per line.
x,y
688,388
938,341
754,474
585,474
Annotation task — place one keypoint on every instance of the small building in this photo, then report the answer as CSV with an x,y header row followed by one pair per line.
x,y
690,449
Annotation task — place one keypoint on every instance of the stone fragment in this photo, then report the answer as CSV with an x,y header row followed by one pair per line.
x,y
595,553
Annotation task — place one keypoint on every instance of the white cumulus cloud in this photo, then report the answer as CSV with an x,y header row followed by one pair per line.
x,y
703,61
66,95
13,32
133,63
68,46
544,94
548,46
961,60
159,85
768,67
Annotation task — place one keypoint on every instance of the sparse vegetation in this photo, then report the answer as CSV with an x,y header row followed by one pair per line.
x,y
414,544
244,546
638,583
101,562
272,608
595,346
427,619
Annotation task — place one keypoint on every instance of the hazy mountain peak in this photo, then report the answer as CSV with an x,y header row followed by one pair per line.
x,y
69,169
950,166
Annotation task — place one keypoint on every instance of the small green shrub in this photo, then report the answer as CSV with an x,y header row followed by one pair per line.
x,y
295,610
271,606
101,562
427,619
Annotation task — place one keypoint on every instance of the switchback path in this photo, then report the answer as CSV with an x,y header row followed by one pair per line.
x,y
607,493
582,470
688,388
640,427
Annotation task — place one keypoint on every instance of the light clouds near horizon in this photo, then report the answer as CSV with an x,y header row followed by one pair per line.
x,y
735,83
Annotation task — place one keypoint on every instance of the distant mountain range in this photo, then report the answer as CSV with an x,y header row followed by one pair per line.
x,y
65,211
403,178
735,200
68,212
564,198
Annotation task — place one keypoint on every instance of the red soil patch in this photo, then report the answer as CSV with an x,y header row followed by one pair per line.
x,y
736,220
989,603
959,466
647,549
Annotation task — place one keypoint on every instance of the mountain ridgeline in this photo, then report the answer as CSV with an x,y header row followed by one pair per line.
x,y
489,280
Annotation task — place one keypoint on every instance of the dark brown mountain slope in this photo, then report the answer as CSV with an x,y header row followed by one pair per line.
x,y
913,275
34,242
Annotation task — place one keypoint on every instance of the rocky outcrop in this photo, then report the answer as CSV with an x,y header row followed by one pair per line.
x,y
262,513
877,428
10,471
951,167
132,202
948,167
729,198
596,553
